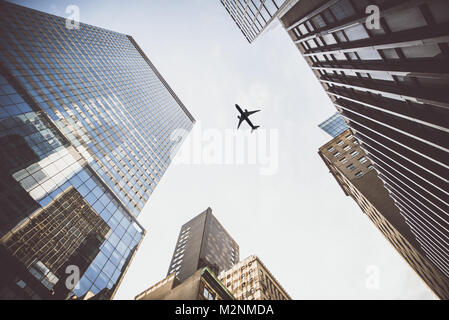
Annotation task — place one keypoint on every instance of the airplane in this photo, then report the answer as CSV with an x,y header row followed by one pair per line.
x,y
244,116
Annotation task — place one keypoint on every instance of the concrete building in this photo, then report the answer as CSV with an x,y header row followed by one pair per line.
x,y
203,242
202,285
385,66
355,174
85,137
387,75
250,279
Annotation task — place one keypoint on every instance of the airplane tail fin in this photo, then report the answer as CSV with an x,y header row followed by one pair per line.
x,y
255,128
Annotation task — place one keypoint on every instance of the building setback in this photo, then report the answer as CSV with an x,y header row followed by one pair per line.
x,y
354,172
390,83
202,285
85,125
203,242
251,280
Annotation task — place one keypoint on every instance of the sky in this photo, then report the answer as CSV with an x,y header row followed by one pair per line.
x,y
315,240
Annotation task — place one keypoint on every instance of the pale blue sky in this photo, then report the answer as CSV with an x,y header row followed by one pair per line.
x,y
316,241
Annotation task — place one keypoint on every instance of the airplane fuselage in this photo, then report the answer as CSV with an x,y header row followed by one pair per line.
x,y
245,118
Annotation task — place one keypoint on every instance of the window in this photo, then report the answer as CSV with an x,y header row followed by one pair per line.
x,y
208,295
21,284
354,153
351,167
341,36
369,54
303,29
390,54
329,39
405,20
363,160
340,143
359,174
318,21
344,160
331,149
342,10
423,51
336,154
356,32
311,43
347,148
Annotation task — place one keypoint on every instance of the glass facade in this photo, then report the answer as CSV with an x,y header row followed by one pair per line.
x,y
390,82
85,136
335,125
253,16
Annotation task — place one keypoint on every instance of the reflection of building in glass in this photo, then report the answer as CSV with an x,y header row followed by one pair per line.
x,y
254,16
85,125
203,242
334,126
251,280
391,85
354,172
202,285
65,232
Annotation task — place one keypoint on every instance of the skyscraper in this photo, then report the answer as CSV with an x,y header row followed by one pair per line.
x,y
387,75
253,17
250,279
203,242
355,174
86,124
335,125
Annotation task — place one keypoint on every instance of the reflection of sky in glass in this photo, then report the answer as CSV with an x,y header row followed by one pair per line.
x,y
334,126
104,131
252,16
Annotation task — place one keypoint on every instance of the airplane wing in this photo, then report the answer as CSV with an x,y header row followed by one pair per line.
x,y
251,112
240,122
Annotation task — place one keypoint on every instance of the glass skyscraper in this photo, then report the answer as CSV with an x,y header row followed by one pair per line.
x,y
335,125
86,133
254,16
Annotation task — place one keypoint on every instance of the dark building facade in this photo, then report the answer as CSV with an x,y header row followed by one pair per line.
x,y
334,126
85,136
355,173
390,82
203,242
202,285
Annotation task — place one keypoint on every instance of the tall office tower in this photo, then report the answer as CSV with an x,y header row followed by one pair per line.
x,y
389,80
203,242
354,172
202,285
85,125
335,125
251,280
253,17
